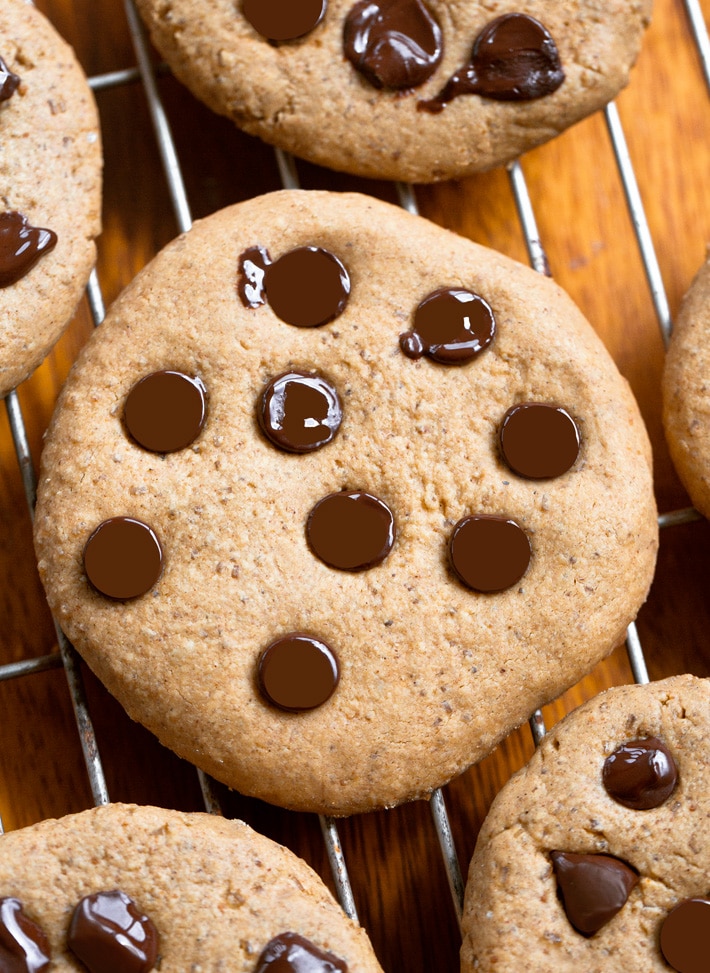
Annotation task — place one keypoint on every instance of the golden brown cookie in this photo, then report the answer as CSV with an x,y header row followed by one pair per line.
x,y
50,188
686,392
596,855
401,89
411,500
142,888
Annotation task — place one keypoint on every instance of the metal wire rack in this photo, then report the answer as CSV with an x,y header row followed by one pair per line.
x,y
145,74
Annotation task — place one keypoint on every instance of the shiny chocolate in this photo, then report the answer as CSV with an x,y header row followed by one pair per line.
x,y
395,44
489,554
250,278
593,888
640,774
514,58
451,326
110,934
685,936
351,530
297,672
165,411
21,246
291,953
24,947
9,82
123,558
284,20
299,411
539,441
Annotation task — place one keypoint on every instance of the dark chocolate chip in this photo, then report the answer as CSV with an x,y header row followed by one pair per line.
x,y
489,553
351,530
21,246
298,672
165,411
539,441
514,58
123,558
640,774
110,934
9,82
299,412
451,326
685,936
291,953
394,43
307,287
284,20
250,279
593,888
24,947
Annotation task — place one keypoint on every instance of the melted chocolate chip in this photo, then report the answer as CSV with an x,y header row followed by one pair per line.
x,y
489,553
539,441
21,246
250,281
514,58
9,82
307,287
291,953
451,326
299,412
685,936
165,411
298,672
110,934
640,774
24,947
351,531
123,558
393,43
284,20
593,888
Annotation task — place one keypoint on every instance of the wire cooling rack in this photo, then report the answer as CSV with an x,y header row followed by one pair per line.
x,y
145,75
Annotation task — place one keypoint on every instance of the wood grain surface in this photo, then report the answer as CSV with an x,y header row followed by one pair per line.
x,y
394,861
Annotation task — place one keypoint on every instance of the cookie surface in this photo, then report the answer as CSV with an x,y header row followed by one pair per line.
x,y
623,782
211,893
429,641
50,188
686,398
388,110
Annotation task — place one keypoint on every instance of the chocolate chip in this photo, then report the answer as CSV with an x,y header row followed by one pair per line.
x,y
299,412
9,82
514,58
110,934
250,277
593,888
451,326
291,953
284,20
307,287
21,246
539,441
24,947
298,672
394,43
165,411
489,553
351,530
685,936
640,774
123,558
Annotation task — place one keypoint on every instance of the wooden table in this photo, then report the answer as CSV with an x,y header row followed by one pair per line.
x,y
395,865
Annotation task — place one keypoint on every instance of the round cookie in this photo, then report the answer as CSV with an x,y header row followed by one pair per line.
x,y
686,398
143,888
401,89
50,188
466,595
596,855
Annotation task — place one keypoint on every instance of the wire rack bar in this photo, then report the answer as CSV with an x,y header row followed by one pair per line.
x,y
700,33
27,667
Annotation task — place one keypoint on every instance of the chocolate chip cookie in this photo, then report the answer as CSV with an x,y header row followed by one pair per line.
x,y
417,90
334,499
596,855
50,188
140,888
686,395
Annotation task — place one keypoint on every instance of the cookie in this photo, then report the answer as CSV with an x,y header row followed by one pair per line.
x,y
136,889
686,397
50,188
355,577
401,89
596,855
